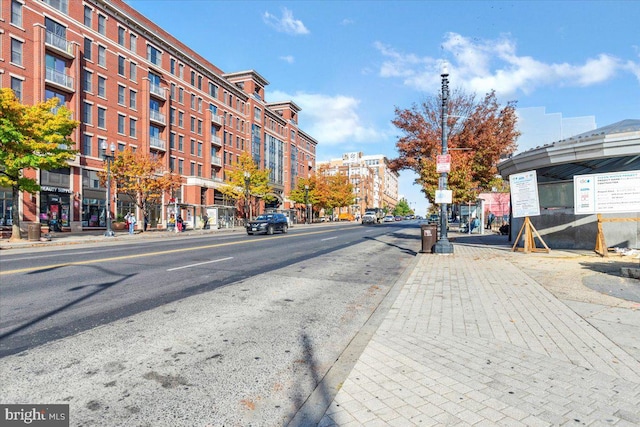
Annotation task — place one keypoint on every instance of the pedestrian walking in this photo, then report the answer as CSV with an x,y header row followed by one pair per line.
x,y
131,220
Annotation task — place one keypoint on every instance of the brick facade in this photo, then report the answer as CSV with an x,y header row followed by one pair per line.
x,y
131,83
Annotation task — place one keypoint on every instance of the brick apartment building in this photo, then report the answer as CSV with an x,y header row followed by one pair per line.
x,y
375,185
130,83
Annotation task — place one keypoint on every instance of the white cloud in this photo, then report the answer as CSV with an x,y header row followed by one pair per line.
x,y
288,58
331,120
483,65
286,24
347,21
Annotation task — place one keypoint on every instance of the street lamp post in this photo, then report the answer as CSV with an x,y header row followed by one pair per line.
x,y
108,158
247,181
443,245
306,204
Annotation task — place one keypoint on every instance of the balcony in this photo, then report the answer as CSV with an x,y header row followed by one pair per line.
x,y
59,79
157,143
216,119
216,140
59,44
157,117
157,90
216,161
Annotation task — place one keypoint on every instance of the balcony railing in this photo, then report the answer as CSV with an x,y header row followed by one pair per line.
x,y
157,90
59,43
216,161
59,78
216,119
157,117
216,140
157,143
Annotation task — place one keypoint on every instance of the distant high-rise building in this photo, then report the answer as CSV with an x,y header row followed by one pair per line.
x,y
375,185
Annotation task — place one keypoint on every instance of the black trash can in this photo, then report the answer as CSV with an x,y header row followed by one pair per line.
x,y
429,234
33,232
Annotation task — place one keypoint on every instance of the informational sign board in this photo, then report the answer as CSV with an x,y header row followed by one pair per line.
x,y
524,194
444,196
615,192
443,163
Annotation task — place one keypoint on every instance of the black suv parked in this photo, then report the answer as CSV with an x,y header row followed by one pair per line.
x,y
268,223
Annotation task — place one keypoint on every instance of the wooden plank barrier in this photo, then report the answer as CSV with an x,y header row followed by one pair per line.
x,y
601,246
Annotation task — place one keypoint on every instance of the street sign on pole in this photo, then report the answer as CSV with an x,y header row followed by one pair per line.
x,y
443,163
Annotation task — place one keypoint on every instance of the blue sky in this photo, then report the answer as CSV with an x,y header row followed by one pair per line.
x,y
348,64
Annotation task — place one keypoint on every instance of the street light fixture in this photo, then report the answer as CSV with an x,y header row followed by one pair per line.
x,y
443,245
306,204
108,158
247,181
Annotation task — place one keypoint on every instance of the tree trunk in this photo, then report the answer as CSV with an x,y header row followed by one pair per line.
x,y
15,214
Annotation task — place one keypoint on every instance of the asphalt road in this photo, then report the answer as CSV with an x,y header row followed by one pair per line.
x,y
216,330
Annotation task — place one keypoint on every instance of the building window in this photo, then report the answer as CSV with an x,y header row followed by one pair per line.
x,y
87,16
121,124
180,166
132,127
172,140
181,95
172,66
180,143
102,24
193,124
102,118
121,62
133,104
193,78
16,52
87,118
200,105
172,116
172,164
121,36
61,5
181,71
200,82
132,71
86,144
87,77
87,49
192,169
193,102
121,90
102,56
213,90
199,127
133,43
199,170
16,13
180,119
199,149
16,86
173,92
154,55
193,147
102,86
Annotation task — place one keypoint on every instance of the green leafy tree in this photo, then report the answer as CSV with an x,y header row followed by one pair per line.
x,y
33,137
402,208
258,189
141,176
478,135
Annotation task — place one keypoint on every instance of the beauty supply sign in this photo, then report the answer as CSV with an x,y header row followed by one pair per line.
x,y
616,192
524,194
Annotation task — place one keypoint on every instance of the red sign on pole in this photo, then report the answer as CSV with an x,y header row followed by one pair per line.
x,y
443,163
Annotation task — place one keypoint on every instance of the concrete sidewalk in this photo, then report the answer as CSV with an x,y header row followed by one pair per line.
x,y
472,339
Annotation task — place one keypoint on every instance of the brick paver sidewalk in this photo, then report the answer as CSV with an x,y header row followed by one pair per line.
x,y
472,340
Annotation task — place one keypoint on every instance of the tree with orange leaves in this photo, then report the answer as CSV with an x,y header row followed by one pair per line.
x,y
141,176
479,134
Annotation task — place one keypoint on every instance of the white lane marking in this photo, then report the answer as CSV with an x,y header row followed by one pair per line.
x,y
200,263
329,238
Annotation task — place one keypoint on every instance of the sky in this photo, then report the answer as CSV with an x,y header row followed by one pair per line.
x,y
349,64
